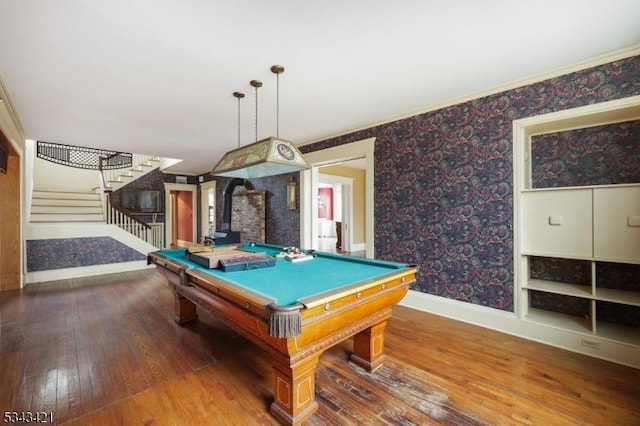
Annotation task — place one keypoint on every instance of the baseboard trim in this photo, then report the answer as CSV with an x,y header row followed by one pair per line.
x,y
509,323
358,247
84,271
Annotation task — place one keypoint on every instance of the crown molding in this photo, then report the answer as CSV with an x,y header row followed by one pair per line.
x,y
9,122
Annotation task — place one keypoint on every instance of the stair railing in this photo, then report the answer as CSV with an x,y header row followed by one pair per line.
x,y
140,162
115,215
152,234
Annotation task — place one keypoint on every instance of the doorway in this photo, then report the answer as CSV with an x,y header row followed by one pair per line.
x,y
309,179
207,209
180,217
336,209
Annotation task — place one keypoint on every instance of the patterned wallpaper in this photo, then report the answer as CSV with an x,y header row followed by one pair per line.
x,y
443,182
154,180
61,253
597,155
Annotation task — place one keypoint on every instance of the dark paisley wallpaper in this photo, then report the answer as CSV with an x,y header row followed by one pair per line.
x,y
598,155
443,182
44,255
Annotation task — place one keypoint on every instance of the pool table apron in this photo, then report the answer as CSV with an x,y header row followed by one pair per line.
x,y
360,310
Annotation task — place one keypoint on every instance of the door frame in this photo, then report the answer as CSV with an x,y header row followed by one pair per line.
x,y
204,206
347,206
168,219
309,186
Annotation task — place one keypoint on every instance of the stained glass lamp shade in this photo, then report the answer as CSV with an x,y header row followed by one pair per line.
x,y
266,157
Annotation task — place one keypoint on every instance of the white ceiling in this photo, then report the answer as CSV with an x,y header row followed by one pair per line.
x,y
157,76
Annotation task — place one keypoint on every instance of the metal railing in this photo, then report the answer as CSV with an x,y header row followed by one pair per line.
x,y
83,158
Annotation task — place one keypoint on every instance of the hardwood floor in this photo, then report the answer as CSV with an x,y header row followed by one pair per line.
x,y
105,351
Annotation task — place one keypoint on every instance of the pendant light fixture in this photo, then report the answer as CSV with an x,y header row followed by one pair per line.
x,y
267,157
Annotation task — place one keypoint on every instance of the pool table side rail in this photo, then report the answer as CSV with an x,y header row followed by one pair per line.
x,y
207,290
283,321
220,287
273,249
159,259
210,282
397,276
287,321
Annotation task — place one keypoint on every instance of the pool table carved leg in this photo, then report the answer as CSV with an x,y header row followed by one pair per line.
x,y
185,309
294,390
368,347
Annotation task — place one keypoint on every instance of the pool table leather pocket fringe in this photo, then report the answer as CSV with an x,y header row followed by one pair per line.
x,y
285,322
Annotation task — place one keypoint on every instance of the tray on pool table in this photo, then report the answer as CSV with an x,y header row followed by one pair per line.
x,y
231,259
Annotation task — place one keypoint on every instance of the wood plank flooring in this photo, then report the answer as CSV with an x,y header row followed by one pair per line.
x,y
105,351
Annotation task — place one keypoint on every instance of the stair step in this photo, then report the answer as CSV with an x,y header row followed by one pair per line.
x,y
65,195
59,217
58,202
66,209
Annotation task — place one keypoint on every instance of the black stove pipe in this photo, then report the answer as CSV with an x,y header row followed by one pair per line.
x,y
228,200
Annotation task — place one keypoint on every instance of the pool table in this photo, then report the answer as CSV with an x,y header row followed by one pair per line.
x,y
294,311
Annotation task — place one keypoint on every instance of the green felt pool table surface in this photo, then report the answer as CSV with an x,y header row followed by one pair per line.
x,y
289,282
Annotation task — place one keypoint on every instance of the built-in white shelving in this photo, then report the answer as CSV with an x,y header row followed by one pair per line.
x,y
595,228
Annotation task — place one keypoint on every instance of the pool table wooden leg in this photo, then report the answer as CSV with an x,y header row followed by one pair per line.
x,y
294,390
368,347
184,309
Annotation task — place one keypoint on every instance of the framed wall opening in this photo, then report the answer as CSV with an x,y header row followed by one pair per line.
x,y
309,180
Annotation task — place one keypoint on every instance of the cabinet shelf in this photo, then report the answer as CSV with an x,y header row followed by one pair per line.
x,y
557,255
577,290
619,333
604,329
563,321
618,296
564,188
556,287
528,253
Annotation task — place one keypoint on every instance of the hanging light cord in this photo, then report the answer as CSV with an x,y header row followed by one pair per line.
x,y
238,96
256,84
278,104
238,122
256,113
277,70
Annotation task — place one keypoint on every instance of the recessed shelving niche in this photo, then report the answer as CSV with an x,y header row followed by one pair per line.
x,y
577,221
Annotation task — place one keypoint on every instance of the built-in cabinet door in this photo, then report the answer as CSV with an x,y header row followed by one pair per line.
x,y
558,223
616,214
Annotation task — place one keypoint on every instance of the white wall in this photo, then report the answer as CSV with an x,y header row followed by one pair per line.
x,y
49,176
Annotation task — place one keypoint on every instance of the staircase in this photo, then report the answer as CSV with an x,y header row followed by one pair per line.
x,y
72,229
62,206
141,165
